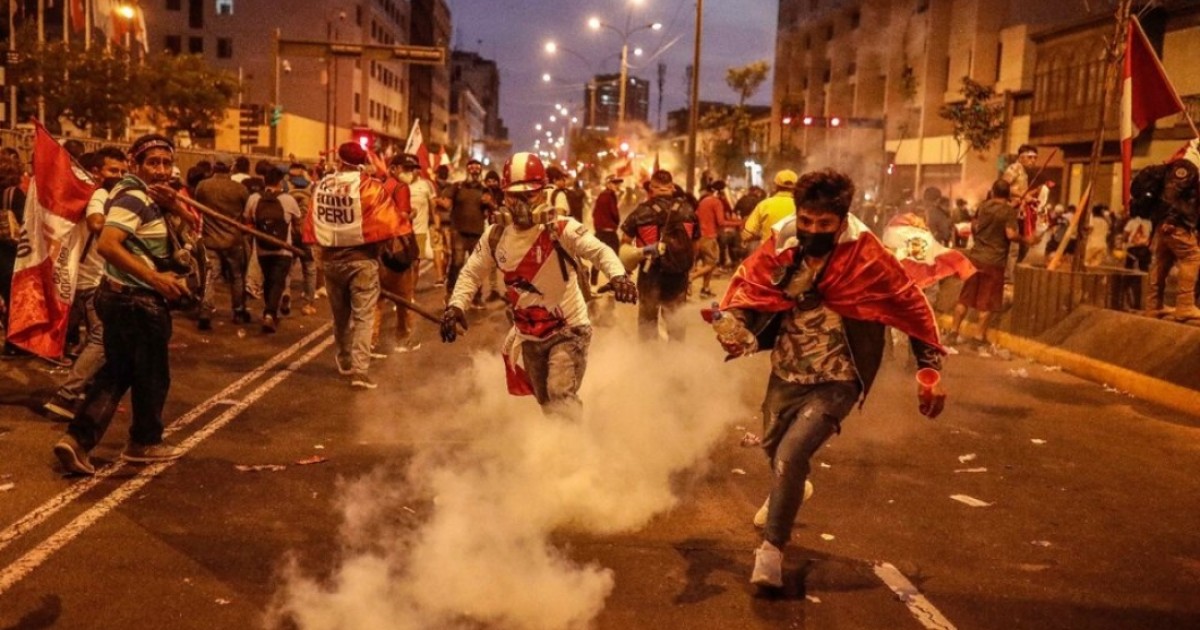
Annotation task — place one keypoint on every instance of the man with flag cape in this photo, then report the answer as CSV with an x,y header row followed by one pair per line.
x,y
819,293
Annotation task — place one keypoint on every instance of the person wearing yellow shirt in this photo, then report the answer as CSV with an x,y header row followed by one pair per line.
x,y
773,209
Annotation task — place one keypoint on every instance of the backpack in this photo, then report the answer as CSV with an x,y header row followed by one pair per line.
x,y
10,227
1145,191
575,202
678,253
270,219
303,197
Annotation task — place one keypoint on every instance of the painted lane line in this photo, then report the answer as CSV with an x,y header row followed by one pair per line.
x,y
44,511
17,571
920,607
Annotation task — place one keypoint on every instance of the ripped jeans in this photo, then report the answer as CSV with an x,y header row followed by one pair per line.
x,y
797,420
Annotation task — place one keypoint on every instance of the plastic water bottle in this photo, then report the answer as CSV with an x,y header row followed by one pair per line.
x,y
729,330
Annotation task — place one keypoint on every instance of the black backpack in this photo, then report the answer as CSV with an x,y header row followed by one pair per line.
x,y
575,202
270,219
1145,191
677,252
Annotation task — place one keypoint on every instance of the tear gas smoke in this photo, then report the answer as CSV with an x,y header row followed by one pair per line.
x,y
481,552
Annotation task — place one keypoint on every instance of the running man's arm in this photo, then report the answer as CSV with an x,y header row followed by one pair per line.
x,y
580,242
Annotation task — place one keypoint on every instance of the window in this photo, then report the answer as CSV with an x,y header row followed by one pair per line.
x,y
195,14
852,69
855,19
922,6
829,33
196,45
807,42
224,7
174,44
174,5
1023,105
358,19
357,103
224,47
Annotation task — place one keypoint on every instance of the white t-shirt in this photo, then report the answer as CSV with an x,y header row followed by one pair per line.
x,y
421,198
541,301
91,268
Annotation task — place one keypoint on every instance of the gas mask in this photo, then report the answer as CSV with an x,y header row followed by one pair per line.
x,y
816,244
520,212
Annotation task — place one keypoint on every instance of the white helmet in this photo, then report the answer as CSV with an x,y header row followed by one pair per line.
x,y
523,172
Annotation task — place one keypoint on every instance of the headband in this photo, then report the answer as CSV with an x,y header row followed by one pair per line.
x,y
138,150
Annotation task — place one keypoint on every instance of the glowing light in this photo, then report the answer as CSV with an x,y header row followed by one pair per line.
x,y
835,122
551,47
656,26
624,146
126,11
808,121
546,77
553,118
787,120
594,23
574,119
637,52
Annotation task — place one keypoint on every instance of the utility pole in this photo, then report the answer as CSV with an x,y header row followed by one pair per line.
x,y
662,80
694,110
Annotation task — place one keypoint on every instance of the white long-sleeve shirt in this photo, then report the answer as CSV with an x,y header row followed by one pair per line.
x,y
542,302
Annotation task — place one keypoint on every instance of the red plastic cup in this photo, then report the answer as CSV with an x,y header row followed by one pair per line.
x,y
927,379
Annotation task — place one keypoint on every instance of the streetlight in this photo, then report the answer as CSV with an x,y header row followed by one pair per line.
x,y
553,118
545,77
595,24
538,126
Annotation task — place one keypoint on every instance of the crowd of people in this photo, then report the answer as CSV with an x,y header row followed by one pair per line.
x,y
361,231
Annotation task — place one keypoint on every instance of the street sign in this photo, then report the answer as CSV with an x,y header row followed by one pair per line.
x,y
250,117
419,55
12,58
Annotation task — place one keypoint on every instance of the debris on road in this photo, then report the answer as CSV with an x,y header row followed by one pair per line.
x,y
827,536
221,601
1052,368
750,440
738,471
824,465
308,461
1038,441
409,510
5,487
812,598
1019,373
177,346
260,468
968,500
969,457
970,470
1040,543
319,447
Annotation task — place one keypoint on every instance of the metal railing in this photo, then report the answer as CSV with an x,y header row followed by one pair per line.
x,y
22,141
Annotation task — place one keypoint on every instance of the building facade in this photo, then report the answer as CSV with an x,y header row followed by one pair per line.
x,y
471,71
429,86
322,100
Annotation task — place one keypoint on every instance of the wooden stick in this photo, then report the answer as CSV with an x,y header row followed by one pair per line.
x,y
1084,202
412,306
238,225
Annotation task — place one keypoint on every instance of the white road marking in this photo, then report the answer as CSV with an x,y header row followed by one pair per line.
x,y
44,511
920,607
16,571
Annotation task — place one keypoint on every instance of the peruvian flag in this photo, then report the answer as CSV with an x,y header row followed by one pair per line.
x,y
78,16
924,259
862,280
53,238
1146,96
416,146
351,209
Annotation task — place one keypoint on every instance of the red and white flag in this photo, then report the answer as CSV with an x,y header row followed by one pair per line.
x,y
416,146
1146,96
924,259
54,234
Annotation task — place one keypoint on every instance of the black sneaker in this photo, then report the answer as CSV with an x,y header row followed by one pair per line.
x,y
269,324
285,305
204,324
74,457
150,453
362,381
241,317
61,406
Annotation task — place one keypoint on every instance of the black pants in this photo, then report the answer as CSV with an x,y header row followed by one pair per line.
x,y
137,327
660,295
275,276
460,249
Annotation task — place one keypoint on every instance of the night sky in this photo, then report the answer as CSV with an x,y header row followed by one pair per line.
x,y
513,33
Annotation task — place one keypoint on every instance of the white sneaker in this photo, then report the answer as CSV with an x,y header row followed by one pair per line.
x,y
768,566
760,517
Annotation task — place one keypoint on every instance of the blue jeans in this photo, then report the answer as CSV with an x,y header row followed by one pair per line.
x,y
137,327
797,420
91,359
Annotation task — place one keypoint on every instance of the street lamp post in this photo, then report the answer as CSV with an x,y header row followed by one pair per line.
x,y
595,24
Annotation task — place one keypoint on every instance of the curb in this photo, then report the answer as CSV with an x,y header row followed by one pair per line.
x,y
1135,383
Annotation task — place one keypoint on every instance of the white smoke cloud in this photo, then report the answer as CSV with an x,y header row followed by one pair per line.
x,y
463,536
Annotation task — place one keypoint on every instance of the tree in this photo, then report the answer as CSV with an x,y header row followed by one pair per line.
x,y
188,95
730,149
105,88
978,120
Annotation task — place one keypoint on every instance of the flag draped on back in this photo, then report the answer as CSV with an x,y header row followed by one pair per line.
x,y
43,285
351,209
924,259
862,281
1146,95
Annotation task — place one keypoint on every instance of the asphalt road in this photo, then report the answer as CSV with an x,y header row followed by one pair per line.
x,y
640,518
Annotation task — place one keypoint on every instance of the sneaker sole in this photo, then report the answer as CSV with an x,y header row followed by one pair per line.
x,y
362,385
143,459
61,412
70,460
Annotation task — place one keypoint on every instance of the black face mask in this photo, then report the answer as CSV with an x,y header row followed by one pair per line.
x,y
816,244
